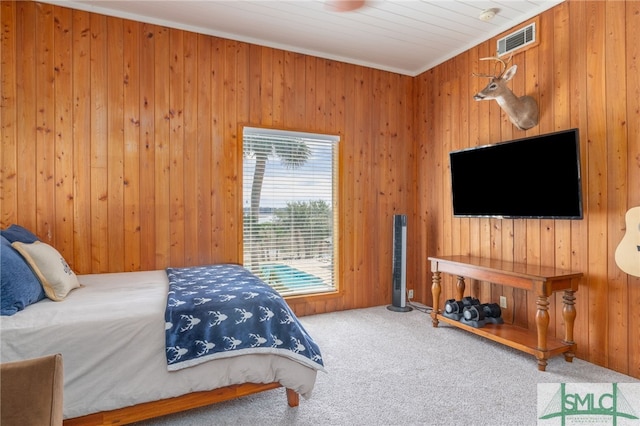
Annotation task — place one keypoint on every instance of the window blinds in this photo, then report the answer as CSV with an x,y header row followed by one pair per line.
x,y
290,209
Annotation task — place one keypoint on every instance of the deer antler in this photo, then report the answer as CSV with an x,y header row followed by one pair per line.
x,y
498,60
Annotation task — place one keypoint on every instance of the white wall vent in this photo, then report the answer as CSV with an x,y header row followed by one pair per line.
x,y
517,39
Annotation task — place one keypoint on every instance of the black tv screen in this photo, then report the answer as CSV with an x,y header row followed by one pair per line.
x,y
534,177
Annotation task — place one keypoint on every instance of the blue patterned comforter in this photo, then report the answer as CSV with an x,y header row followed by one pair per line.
x,y
224,310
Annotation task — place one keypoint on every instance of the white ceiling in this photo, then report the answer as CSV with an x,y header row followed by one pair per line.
x,y
402,36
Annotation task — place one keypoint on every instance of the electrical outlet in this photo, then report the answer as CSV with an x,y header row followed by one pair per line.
x,y
503,302
411,294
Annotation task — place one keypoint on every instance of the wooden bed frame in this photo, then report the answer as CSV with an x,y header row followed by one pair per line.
x,y
163,407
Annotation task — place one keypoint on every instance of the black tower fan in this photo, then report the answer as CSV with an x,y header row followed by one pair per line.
x,y
399,270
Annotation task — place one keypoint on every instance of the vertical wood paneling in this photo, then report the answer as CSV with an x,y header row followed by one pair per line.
x,y
295,106
8,113
378,162
233,159
578,106
429,150
190,149
223,110
99,140
115,144
45,117
121,147
348,183
82,235
597,178
255,84
26,113
276,106
162,149
319,104
368,143
8,124
209,88
63,130
422,198
234,80
615,89
361,162
633,167
176,143
147,147
131,134
310,86
267,83
212,197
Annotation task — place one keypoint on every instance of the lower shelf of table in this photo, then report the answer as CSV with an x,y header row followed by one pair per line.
x,y
515,337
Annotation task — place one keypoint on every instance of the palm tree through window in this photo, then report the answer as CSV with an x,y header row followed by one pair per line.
x,y
290,209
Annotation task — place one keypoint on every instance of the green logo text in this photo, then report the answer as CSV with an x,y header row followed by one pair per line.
x,y
565,404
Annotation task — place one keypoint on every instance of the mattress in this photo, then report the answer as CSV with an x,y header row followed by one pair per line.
x,y
111,335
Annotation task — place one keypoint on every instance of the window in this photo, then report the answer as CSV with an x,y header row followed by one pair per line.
x,y
290,209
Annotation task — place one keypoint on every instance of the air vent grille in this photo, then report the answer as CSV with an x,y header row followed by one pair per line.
x,y
517,39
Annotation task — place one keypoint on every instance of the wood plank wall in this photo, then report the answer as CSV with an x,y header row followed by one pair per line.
x,y
584,73
121,143
120,148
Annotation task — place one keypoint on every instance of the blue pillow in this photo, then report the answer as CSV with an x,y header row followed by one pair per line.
x,y
17,233
19,286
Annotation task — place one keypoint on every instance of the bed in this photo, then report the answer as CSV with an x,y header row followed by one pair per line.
x,y
112,334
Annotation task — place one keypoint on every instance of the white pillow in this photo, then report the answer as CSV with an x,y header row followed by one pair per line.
x,y
52,270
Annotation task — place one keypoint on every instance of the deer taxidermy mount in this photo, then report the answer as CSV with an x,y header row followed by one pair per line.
x,y
523,110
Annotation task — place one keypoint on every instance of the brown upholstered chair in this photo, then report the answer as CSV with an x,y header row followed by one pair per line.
x,y
31,392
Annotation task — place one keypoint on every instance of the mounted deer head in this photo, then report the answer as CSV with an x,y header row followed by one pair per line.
x,y
523,110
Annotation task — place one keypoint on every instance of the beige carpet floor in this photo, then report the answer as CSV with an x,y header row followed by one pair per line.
x,y
390,368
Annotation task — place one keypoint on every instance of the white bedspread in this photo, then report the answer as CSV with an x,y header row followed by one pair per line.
x,y
114,356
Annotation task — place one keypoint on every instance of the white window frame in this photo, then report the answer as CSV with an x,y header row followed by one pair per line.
x,y
295,253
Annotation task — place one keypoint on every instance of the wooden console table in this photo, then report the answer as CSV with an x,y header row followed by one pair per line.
x,y
544,281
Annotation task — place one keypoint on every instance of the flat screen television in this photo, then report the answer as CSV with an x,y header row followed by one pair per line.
x,y
534,177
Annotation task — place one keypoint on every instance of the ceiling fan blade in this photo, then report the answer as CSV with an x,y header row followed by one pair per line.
x,y
343,5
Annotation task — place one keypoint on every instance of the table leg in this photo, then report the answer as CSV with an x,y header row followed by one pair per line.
x,y
460,286
542,325
542,364
569,315
435,293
